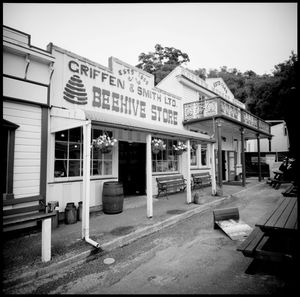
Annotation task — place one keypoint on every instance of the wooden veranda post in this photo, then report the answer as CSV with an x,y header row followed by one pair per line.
x,y
220,175
149,176
258,157
243,157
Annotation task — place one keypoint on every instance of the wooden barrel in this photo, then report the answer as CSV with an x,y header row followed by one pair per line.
x,y
112,197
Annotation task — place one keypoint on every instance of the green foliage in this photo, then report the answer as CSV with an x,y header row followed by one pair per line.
x,y
162,61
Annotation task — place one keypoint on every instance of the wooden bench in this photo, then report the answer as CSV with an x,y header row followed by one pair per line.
x,y
201,179
253,244
18,217
260,246
173,183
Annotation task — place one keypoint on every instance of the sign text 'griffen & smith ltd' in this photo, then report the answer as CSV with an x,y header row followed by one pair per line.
x,y
116,101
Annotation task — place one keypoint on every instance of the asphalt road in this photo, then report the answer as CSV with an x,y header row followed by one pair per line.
x,y
188,258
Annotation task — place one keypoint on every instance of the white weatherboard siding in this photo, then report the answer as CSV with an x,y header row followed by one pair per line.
x,y
27,147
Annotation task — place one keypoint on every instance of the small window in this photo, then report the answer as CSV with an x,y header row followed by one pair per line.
x,y
203,154
193,150
166,160
101,164
68,153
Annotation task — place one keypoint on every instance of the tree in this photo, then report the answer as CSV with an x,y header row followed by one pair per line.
x,y
162,61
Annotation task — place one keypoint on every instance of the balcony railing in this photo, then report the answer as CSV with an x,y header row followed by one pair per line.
x,y
218,106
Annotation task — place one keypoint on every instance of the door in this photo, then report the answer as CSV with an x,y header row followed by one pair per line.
x,y
224,169
231,165
132,167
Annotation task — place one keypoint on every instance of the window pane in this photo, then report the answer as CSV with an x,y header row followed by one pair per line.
x,y
60,168
96,133
74,168
62,135
165,160
61,150
203,155
74,151
97,167
107,156
154,166
107,167
75,135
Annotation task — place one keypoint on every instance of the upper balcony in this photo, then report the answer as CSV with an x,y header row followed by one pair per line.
x,y
216,107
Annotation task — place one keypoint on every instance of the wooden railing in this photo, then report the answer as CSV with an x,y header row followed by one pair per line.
x,y
218,106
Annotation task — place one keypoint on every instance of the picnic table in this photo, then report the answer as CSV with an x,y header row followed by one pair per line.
x,y
282,219
274,236
278,179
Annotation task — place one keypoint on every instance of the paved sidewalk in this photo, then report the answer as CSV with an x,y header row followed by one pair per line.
x,y
22,255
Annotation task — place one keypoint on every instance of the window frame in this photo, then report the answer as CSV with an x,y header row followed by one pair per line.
x,y
80,177
169,148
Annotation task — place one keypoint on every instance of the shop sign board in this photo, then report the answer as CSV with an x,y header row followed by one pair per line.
x,y
120,89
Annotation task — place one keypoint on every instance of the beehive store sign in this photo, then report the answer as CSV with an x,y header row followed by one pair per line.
x,y
129,93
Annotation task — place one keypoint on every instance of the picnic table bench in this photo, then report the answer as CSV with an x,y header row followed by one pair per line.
x,y
200,179
17,217
173,183
274,238
278,179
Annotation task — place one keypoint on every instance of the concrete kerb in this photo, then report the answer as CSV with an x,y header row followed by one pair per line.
x,y
118,242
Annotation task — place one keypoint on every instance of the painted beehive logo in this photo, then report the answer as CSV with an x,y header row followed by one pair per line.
x,y
75,91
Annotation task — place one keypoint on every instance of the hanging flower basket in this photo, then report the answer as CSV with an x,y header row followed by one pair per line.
x,y
155,151
106,150
179,148
157,145
179,152
104,143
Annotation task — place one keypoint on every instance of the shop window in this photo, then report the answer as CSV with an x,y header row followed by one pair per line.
x,y
203,154
166,160
68,153
101,164
194,151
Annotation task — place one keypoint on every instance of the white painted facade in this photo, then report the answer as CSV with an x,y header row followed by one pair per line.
x,y
193,88
279,141
122,99
27,147
26,78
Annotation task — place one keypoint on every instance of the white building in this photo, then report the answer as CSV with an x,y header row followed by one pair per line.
x,y
26,81
278,143
210,107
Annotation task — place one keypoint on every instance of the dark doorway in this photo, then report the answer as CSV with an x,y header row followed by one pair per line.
x,y
132,167
224,165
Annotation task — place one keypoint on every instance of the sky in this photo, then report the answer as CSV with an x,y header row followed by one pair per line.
x,y
245,36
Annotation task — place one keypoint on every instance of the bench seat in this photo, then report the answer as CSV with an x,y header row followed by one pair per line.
x,y
27,218
19,217
173,183
259,246
201,179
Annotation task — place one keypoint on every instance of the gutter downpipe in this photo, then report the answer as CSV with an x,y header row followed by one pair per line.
x,y
86,185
